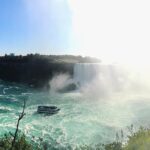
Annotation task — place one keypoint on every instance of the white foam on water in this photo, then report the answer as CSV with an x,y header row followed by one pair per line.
x,y
110,98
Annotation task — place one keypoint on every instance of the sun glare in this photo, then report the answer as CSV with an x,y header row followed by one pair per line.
x,y
116,31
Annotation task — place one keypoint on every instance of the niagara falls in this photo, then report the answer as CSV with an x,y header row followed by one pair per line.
x,y
104,102
74,75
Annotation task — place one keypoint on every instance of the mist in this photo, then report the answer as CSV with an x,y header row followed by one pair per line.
x,y
59,82
101,82
111,82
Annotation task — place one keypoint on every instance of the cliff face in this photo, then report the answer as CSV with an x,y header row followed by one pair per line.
x,y
36,70
35,74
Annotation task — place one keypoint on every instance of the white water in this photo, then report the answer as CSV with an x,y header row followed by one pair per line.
x,y
110,98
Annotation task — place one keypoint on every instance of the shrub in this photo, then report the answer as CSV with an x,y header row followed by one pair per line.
x,y
139,140
21,143
113,146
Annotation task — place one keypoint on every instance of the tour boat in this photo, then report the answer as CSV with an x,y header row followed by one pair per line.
x,y
48,109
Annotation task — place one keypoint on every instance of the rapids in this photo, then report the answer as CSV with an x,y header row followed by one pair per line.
x,y
85,117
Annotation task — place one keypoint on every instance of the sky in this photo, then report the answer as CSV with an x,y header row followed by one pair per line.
x,y
116,31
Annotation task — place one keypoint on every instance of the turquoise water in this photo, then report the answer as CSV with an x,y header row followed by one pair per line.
x,y
81,120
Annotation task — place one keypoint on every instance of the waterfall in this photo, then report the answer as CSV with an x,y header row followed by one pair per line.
x,y
100,77
85,72
101,80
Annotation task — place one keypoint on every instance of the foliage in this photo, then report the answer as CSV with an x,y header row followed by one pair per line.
x,y
50,58
21,143
113,146
139,140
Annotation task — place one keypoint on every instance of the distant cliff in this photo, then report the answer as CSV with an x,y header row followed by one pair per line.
x,y
36,70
